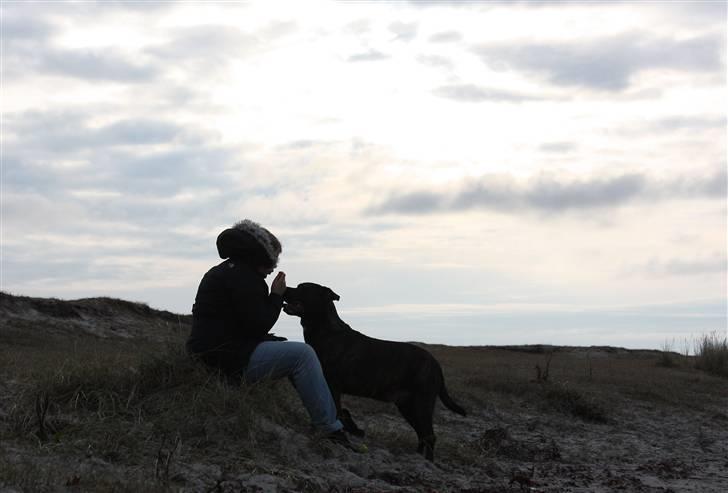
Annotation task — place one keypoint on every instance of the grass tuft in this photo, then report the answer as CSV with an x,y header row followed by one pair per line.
x,y
668,357
149,414
711,354
571,401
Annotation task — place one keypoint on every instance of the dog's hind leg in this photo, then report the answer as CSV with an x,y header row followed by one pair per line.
x,y
409,408
423,410
406,406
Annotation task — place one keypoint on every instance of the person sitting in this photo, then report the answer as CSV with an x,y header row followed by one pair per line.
x,y
234,312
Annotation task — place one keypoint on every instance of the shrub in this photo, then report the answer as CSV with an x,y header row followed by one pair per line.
x,y
571,401
711,354
667,355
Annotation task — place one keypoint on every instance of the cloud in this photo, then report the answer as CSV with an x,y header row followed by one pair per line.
x,y
204,40
446,3
95,65
711,185
446,37
549,194
98,261
133,5
359,26
607,64
127,182
137,132
211,47
691,123
89,65
713,264
278,29
67,131
558,147
92,9
421,202
17,28
404,31
368,56
28,47
59,153
32,55
703,125
116,183
305,144
470,93
436,61
166,173
701,14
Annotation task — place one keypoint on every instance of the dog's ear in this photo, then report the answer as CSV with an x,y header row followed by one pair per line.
x,y
334,296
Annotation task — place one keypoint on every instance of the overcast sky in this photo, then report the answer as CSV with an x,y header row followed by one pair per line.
x,y
466,173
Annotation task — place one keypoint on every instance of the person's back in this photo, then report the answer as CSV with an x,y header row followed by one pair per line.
x,y
231,315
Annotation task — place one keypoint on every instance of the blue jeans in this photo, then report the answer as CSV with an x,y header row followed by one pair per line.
x,y
298,361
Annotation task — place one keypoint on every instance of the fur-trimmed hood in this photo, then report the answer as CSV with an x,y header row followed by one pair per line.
x,y
251,242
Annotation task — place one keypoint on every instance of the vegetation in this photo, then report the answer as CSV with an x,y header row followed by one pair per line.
x,y
668,357
576,403
142,414
711,354
103,413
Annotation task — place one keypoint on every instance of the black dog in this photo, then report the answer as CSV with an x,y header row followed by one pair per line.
x,y
359,365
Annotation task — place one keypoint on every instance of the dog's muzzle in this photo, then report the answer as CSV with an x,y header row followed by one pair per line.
x,y
293,308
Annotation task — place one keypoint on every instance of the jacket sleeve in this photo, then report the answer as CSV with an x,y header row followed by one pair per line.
x,y
255,310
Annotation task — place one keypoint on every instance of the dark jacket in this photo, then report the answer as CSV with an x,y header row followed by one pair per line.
x,y
233,311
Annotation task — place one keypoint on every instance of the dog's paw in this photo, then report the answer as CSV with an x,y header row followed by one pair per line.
x,y
357,432
349,424
351,428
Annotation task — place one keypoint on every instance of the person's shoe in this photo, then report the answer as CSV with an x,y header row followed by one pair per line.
x,y
339,437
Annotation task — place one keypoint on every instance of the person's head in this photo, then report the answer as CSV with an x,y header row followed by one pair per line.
x,y
251,243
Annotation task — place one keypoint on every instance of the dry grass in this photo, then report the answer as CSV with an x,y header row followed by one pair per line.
x,y
576,403
668,357
142,417
588,384
711,354
142,407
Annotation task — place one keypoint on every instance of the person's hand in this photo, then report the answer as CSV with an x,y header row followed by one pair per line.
x,y
278,286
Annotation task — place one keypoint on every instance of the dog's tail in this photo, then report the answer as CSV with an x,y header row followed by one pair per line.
x,y
449,403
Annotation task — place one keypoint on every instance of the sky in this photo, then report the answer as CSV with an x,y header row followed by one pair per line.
x,y
465,173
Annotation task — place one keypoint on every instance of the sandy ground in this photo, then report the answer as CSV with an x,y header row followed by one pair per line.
x,y
650,441
646,450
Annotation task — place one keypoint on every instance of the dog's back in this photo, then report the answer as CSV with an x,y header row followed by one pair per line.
x,y
356,364
367,367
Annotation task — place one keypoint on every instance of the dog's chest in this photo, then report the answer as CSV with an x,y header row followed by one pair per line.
x,y
333,349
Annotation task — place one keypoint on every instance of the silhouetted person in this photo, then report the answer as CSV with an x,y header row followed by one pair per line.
x,y
234,313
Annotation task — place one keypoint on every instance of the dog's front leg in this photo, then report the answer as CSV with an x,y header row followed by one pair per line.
x,y
349,424
345,416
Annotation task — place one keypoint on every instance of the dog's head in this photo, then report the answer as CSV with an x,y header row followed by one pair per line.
x,y
308,298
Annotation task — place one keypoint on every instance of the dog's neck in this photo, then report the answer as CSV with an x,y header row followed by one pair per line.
x,y
327,320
